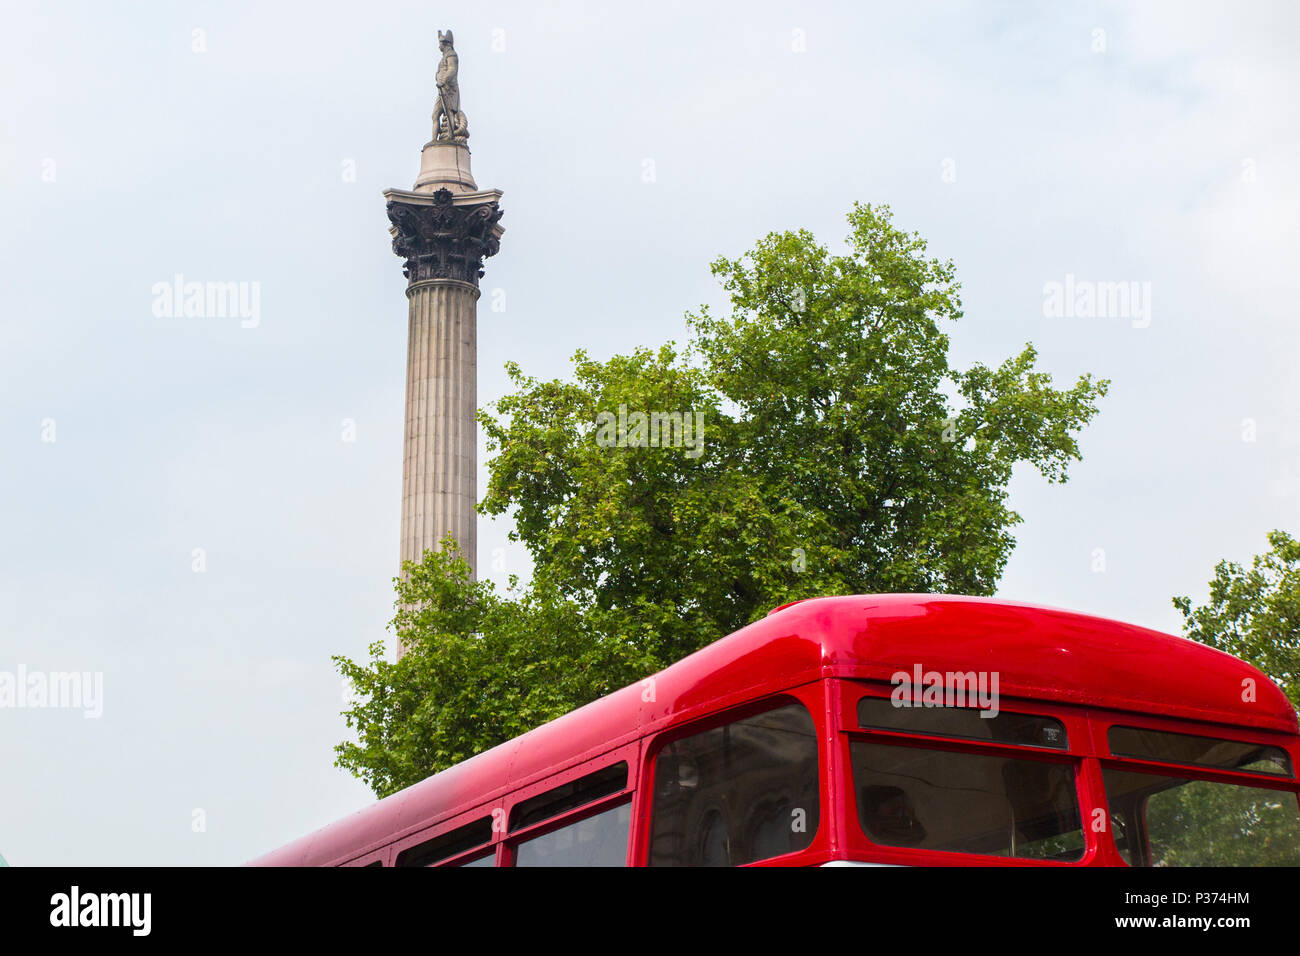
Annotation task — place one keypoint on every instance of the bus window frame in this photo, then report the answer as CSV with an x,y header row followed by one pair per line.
x,y
812,696
1182,772
1077,755
1103,720
383,856
395,848
629,753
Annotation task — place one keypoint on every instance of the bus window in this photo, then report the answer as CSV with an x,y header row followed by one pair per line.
x,y
736,794
1168,747
597,840
1169,821
1026,730
447,845
967,803
569,796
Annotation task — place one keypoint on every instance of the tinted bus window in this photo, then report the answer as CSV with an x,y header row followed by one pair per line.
x,y
447,845
598,840
1202,751
736,794
569,796
966,722
966,803
1167,821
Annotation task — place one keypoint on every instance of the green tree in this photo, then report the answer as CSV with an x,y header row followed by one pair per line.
x,y
478,669
1255,614
842,452
839,453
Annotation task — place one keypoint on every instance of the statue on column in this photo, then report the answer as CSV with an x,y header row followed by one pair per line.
x,y
449,123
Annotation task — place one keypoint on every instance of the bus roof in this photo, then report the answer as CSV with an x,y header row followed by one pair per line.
x,y
1037,652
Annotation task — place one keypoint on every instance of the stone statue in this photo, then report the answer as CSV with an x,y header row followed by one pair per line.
x,y
449,123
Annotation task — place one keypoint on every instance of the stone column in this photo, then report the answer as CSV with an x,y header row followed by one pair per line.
x,y
444,229
440,465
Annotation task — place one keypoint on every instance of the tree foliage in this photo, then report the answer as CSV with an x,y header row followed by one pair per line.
x,y
479,668
835,461
1255,614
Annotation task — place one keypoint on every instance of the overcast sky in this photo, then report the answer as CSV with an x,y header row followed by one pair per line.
x,y
250,142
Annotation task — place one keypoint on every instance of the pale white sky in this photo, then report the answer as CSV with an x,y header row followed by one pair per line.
x,y
126,157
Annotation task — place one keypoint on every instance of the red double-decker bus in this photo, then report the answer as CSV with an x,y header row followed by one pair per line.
x,y
895,729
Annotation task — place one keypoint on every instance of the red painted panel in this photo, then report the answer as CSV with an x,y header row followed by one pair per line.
x,y
1040,653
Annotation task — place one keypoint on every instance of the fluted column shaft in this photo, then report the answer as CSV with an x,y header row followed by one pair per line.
x,y
440,469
